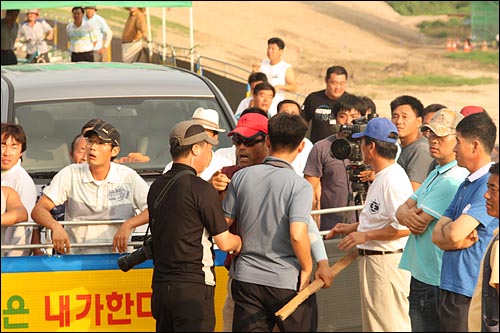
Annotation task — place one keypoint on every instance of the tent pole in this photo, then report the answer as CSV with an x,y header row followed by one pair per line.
x,y
164,34
150,36
191,37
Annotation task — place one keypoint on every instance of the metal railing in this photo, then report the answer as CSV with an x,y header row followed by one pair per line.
x,y
48,246
73,223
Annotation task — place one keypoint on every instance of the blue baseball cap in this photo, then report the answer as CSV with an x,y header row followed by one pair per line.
x,y
379,129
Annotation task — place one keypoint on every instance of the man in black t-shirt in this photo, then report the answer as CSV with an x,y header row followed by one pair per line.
x,y
186,218
318,105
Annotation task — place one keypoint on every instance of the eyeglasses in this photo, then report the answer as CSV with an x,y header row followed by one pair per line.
x,y
247,142
99,143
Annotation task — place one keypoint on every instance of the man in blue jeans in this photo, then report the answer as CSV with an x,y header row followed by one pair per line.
x,y
465,228
420,214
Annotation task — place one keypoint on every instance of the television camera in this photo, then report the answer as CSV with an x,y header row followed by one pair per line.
x,y
349,148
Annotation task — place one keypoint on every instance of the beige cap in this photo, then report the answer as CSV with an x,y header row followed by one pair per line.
x,y
189,132
35,11
444,122
208,118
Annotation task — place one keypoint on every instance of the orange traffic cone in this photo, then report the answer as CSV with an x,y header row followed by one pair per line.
x,y
453,46
466,47
448,46
484,46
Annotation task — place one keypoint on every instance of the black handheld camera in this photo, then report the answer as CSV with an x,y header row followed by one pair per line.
x,y
137,257
350,148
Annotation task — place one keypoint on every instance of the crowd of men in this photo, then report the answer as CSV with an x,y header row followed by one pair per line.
x,y
89,36
430,208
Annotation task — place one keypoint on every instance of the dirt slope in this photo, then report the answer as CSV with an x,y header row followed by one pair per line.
x,y
368,38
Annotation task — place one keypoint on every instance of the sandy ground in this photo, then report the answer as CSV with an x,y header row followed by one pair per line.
x,y
368,38
236,32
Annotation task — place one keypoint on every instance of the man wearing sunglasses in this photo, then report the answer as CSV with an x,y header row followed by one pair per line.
x,y
276,261
250,149
249,141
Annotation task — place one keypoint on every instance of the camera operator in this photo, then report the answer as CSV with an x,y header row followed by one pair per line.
x,y
328,175
185,216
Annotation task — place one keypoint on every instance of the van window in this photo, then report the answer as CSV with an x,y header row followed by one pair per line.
x,y
144,125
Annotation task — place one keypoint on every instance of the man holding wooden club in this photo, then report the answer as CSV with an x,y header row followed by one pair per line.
x,y
272,206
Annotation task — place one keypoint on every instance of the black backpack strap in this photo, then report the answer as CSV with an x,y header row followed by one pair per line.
x,y
163,193
169,184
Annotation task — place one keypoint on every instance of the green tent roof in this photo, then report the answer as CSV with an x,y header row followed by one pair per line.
x,y
54,4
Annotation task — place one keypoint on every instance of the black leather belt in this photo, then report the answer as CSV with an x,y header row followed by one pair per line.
x,y
371,252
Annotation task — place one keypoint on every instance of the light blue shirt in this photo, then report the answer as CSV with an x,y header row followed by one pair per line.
x,y
421,256
101,29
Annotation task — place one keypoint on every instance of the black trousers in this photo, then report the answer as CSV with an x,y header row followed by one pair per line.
x,y
8,57
453,312
82,56
183,307
255,305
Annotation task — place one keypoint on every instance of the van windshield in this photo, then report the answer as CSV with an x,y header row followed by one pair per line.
x,y
144,125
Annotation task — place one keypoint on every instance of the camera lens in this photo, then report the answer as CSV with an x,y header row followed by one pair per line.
x,y
341,149
128,261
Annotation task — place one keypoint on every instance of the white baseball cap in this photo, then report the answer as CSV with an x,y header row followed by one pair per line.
x,y
208,118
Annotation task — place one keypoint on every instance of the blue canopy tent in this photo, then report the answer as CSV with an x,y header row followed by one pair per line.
x,y
147,4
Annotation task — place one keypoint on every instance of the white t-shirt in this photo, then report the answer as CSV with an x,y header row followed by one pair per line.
x,y
216,163
82,38
19,179
275,76
102,31
228,153
245,104
299,163
390,189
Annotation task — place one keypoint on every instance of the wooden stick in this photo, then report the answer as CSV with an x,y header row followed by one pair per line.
x,y
316,285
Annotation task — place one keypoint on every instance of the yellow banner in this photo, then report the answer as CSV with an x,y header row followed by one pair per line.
x,y
86,301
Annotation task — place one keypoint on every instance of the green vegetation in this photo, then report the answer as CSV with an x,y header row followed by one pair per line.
x,y
453,28
458,26
410,8
486,58
437,81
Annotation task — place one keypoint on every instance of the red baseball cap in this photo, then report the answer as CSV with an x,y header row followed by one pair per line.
x,y
471,109
250,124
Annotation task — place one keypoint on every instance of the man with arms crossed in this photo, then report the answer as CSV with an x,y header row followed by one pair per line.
x,y
465,228
420,214
483,312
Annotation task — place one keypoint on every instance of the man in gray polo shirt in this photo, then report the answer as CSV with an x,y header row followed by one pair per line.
x,y
273,214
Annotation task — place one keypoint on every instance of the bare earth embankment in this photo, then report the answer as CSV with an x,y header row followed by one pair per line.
x,y
368,38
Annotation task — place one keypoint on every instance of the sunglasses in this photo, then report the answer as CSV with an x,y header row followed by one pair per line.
x,y
247,142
